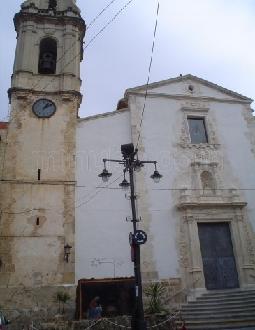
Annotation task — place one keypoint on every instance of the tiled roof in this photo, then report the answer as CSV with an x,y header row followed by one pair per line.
x,y
3,125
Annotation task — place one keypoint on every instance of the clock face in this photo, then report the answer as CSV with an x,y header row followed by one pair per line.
x,y
44,108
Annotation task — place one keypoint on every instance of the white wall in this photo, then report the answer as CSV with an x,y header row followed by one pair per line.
x,y
101,227
160,140
238,157
101,230
160,134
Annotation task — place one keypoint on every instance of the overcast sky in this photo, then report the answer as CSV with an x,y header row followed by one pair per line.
x,y
213,39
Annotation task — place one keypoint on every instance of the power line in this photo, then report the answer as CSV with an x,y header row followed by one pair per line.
x,y
99,189
93,196
149,73
109,22
73,44
88,44
96,188
100,13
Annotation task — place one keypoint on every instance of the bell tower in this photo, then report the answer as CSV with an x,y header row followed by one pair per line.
x,y
37,191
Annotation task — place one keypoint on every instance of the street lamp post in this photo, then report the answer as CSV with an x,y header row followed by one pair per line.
x,y
138,237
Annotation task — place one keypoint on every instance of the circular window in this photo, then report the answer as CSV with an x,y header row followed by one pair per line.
x,y
191,88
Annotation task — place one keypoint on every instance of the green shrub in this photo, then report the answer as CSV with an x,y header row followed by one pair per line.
x,y
155,293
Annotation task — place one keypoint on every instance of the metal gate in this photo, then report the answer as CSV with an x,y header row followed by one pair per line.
x,y
218,256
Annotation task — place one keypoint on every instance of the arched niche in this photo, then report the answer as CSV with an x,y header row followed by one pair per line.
x,y
48,56
208,183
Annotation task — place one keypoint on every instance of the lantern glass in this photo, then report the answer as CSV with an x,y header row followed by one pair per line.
x,y
125,184
156,176
105,175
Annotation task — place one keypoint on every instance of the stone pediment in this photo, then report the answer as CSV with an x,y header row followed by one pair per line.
x,y
189,86
191,201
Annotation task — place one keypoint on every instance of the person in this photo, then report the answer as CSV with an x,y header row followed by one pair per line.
x,y
183,326
95,309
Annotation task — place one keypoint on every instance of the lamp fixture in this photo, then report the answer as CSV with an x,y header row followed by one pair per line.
x,y
138,165
105,175
124,184
67,252
156,176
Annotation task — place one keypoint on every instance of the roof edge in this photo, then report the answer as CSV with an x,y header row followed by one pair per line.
x,y
186,77
4,124
103,115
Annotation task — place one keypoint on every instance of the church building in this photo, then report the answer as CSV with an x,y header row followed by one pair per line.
x,y
61,226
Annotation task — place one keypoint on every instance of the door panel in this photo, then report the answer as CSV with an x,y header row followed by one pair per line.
x,y
217,255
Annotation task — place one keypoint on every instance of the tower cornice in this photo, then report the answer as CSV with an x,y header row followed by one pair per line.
x,y
24,93
56,18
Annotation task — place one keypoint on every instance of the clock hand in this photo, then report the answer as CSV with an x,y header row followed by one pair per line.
x,y
46,106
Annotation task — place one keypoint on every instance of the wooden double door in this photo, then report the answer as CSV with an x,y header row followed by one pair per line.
x,y
218,257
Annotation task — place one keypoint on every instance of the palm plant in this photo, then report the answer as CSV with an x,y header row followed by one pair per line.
x,y
155,293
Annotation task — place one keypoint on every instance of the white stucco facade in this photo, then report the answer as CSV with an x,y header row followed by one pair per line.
x,y
101,227
173,251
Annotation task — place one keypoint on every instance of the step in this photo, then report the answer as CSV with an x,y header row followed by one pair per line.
x,y
229,292
222,313
220,323
222,302
223,327
215,317
217,308
238,328
234,309
231,296
227,298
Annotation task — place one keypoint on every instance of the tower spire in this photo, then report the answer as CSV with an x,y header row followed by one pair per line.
x,y
60,6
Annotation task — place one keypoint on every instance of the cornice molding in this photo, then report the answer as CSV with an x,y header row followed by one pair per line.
x,y
203,205
58,18
186,78
42,182
189,97
24,93
55,19
102,115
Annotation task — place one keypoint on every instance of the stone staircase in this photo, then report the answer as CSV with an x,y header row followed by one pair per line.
x,y
228,309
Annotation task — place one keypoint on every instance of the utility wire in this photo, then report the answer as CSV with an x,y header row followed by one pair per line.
x,y
149,73
86,44
73,44
109,22
93,196
89,196
93,190
100,13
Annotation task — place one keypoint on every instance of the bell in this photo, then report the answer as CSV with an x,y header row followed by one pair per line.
x,y
52,4
47,64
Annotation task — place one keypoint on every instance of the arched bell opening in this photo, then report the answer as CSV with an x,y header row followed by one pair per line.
x,y
48,56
